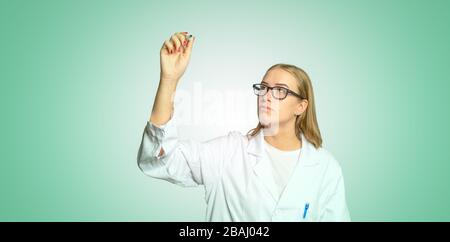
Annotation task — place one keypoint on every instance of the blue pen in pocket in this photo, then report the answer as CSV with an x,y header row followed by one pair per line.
x,y
306,210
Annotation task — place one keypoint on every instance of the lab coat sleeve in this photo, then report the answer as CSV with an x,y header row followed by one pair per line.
x,y
333,202
184,162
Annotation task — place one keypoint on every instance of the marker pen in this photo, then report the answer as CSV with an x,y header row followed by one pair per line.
x,y
306,210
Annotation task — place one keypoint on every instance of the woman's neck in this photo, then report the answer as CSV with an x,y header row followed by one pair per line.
x,y
284,139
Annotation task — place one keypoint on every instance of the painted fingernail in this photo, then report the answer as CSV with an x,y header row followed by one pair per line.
x,y
184,42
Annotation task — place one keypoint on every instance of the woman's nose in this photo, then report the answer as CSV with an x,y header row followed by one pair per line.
x,y
268,95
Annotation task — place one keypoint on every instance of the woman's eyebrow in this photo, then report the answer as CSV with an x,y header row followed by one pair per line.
x,y
279,84
282,84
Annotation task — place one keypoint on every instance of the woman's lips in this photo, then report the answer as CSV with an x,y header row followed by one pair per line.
x,y
265,108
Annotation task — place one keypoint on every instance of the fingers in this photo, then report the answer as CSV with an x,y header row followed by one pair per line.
x,y
190,43
169,46
183,40
178,42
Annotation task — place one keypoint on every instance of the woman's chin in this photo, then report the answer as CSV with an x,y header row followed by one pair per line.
x,y
267,122
270,129
266,119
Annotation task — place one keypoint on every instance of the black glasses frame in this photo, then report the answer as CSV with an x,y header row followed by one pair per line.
x,y
259,86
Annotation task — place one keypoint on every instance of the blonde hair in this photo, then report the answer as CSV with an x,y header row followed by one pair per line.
x,y
306,123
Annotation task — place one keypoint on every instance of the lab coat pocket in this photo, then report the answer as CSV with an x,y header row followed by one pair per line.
x,y
292,215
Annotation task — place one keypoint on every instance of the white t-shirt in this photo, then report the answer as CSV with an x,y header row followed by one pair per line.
x,y
283,163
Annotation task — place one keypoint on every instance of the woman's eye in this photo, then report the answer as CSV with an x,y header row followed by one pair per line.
x,y
280,90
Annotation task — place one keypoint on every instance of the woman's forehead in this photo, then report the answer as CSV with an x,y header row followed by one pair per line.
x,y
280,77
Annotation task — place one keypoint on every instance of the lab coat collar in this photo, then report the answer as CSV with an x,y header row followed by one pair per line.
x,y
256,147
262,167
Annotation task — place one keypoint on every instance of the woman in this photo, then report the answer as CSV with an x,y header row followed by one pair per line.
x,y
277,172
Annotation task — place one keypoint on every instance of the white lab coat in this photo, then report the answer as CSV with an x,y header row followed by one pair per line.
x,y
238,182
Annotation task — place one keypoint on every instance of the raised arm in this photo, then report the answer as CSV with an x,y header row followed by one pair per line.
x,y
174,58
162,154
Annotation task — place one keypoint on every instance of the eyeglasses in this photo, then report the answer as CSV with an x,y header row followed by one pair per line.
x,y
279,93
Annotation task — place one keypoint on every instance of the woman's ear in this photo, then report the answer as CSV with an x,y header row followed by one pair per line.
x,y
301,107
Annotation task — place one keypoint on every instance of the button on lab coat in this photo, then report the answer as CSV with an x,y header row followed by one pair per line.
x,y
237,177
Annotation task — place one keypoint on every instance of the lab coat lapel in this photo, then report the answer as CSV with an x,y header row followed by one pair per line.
x,y
295,190
261,166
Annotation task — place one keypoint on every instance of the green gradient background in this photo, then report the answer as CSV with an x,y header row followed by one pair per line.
x,y
78,79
